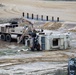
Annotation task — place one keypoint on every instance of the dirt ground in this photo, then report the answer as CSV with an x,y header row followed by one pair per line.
x,y
16,60
62,9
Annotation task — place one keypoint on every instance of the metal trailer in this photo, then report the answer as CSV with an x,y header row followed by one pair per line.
x,y
72,66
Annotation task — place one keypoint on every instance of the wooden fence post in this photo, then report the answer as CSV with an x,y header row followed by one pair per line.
x,y
46,18
23,14
27,15
52,18
37,17
41,17
57,19
32,16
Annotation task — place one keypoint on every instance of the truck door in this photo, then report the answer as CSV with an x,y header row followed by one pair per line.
x,y
43,43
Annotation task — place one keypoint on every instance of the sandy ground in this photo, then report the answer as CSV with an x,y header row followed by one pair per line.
x,y
16,60
14,8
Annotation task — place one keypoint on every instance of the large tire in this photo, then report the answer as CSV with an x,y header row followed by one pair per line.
x,y
38,47
8,38
32,49
23,40
3,37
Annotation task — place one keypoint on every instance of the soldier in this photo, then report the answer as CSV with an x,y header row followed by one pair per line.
x,y
35,43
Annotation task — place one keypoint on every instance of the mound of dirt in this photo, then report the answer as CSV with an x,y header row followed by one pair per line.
x,y
73,29
52,25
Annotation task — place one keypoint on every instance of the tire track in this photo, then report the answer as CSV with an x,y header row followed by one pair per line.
x,y
10,10
16,10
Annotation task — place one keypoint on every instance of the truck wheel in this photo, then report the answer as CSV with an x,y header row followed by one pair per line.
x,y
3,37
32,49
8,37
23,40
38,47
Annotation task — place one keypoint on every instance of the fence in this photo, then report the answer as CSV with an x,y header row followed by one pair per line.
x,y
40,17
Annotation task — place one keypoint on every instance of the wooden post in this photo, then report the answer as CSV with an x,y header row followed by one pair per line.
x,y
27,15
52,18
32,16
23,14
46,18
37,17
57,19
41,17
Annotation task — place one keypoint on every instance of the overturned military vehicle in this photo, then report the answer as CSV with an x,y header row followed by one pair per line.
x,y
51,41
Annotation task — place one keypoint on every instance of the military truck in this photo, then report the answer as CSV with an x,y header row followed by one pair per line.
x,y
9,31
